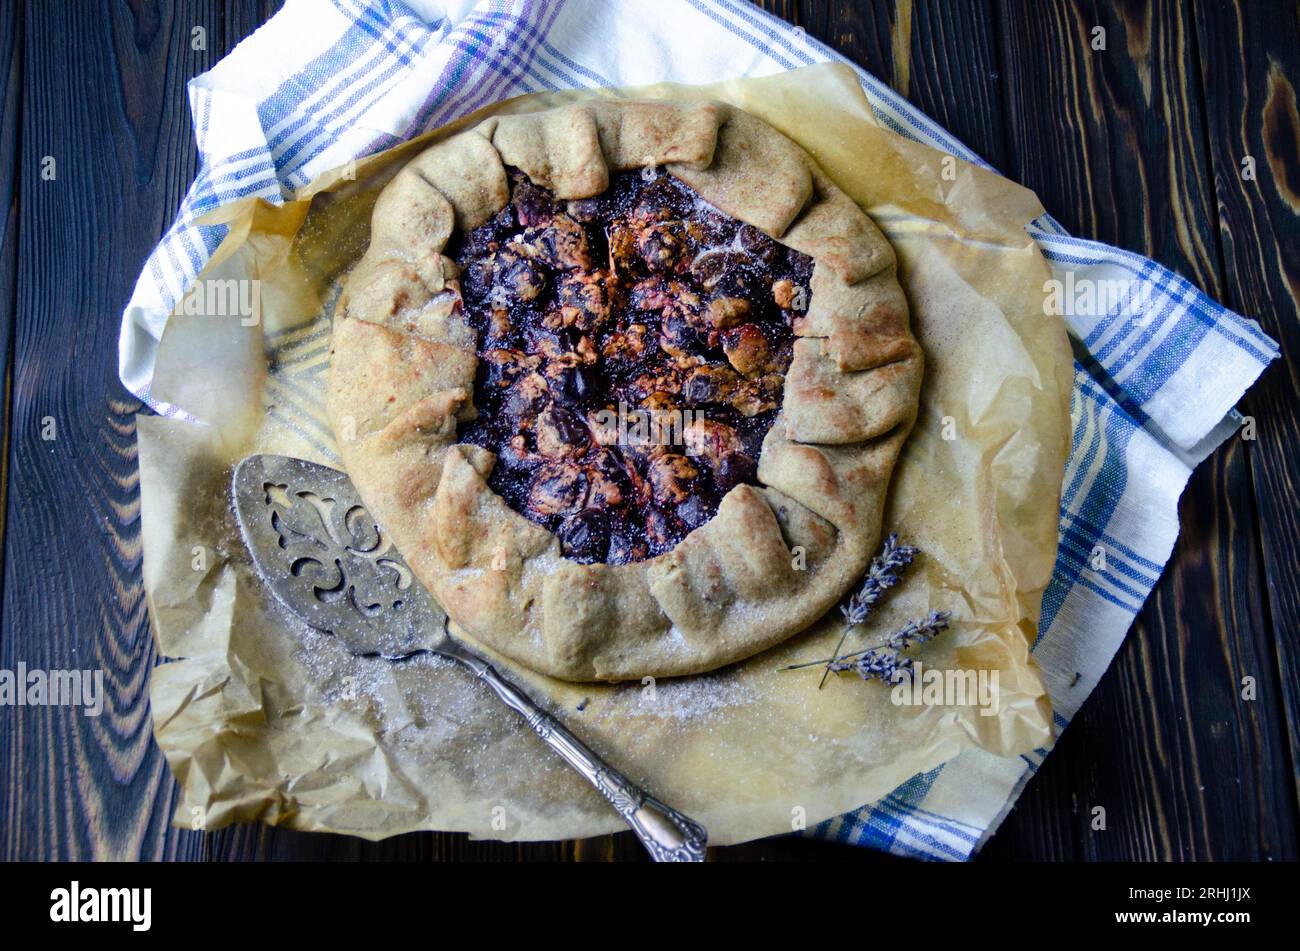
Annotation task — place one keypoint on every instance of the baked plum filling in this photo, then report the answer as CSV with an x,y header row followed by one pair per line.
x,y
632,354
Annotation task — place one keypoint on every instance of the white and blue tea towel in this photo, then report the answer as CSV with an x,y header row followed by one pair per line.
x,y
325,81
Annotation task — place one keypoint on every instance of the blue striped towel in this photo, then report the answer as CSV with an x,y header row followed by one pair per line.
x,y
325,81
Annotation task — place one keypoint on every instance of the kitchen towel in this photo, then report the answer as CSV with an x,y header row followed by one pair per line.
x,y
1159,365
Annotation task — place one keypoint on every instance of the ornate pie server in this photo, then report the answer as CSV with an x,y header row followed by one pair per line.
x,y
324,558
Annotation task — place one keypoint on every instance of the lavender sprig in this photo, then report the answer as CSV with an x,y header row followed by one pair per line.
x,y
886,662
881,576
885,570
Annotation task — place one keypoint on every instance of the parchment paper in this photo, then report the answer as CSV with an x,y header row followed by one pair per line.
x,y
262,718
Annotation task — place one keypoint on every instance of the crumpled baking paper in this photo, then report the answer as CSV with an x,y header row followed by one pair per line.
x,y
261,718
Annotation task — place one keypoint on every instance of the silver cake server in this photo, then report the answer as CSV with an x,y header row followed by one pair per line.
x,y
325,558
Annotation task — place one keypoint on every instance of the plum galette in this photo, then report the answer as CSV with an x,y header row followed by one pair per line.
x,y
625,382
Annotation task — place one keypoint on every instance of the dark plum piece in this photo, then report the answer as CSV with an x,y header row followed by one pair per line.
x,y
712,228
676,336
662,530
502,366
624,548
727,274
526,397
709,384
576,385
534,206
476,282
591,211
663,246
584,536
521,276
696,510
608,483
562,433
663,197
801,267
562,243
759,246
485,239
734,469
559,488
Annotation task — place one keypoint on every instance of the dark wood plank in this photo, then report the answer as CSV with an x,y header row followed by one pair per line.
x,y
1250,67
11,91
942,56
1113,142
104,95
953,72
11,87
860,31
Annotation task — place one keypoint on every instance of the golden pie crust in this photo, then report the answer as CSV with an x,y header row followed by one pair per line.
x,y
777,556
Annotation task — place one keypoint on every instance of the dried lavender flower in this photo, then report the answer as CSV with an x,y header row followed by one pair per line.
x,y
886,662
883,574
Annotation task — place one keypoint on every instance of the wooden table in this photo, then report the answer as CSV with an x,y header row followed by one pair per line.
x,y
1140,145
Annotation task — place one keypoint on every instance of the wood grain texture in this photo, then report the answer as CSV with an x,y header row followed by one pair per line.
x,y
76,786
1113,141
11,89
926,50
954,74
1138,145
1250,68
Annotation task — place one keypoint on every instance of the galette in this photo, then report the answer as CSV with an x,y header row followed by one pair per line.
x,y
625,382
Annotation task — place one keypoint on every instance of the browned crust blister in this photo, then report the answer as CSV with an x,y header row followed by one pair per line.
x,y
776,557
